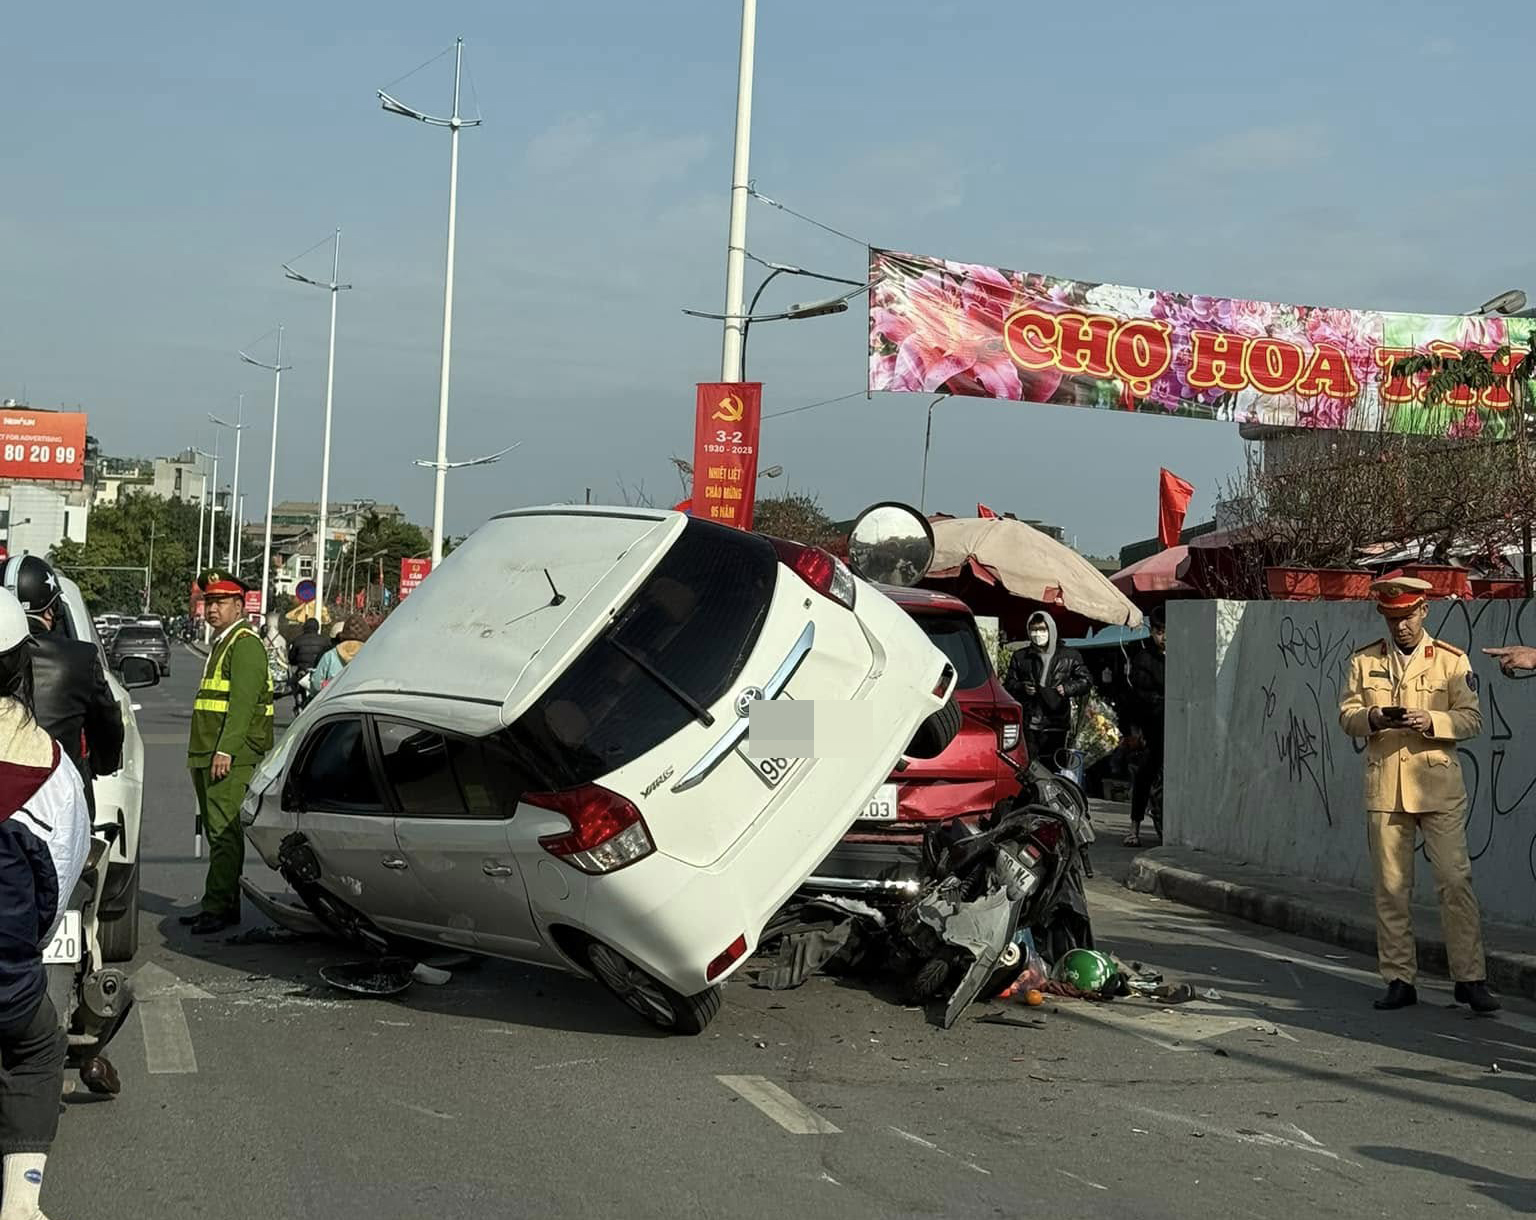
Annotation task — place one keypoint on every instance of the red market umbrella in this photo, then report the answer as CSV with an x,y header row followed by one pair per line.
x,y
1159,573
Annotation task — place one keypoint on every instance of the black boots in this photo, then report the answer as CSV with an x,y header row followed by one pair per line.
x,y
1399,995
1477,996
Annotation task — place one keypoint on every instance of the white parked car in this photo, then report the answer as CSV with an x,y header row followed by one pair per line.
x,y
119,798
542,754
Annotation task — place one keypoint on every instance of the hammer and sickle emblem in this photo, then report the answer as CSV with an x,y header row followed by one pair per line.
x,y
731,410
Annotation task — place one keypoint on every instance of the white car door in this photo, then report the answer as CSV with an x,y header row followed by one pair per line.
x,y
346,820
452,825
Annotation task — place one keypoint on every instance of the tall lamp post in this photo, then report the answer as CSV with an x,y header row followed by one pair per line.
x,y
276,367
202,509
333,287
453,122
237,427
735,331
922,498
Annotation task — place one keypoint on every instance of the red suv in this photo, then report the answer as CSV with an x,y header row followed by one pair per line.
x,y
882,853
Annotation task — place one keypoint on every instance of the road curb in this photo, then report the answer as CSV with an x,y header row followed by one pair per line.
x,y
1172,873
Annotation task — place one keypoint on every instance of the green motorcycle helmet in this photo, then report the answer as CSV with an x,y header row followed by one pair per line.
x,y
1086,969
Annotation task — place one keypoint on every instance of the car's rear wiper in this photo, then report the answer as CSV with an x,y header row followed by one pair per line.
x,y
700,712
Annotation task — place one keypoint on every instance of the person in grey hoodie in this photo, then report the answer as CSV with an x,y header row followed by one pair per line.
x,y
1044,676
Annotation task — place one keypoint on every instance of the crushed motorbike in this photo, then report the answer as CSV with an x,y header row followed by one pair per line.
x,y
1014,879
92,998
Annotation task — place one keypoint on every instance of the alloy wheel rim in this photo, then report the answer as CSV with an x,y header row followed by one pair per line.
x,y
631,984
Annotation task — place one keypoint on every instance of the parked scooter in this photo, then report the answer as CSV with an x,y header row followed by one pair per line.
x,y
1022,871
92,999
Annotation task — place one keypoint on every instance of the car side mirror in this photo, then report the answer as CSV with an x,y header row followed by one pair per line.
x,y
138,672
891,544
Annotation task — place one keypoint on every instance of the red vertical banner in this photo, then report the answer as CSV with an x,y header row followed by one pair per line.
x,y
412,573
985,513
1173,497
728,417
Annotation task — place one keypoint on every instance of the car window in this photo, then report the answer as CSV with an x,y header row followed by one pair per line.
x,y
436,774
141,635
957,638
335,774
695,621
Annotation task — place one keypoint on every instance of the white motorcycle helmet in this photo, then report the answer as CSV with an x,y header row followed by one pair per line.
x,y
14,628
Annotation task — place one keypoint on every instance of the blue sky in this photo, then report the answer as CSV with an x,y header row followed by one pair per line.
x,y
162,161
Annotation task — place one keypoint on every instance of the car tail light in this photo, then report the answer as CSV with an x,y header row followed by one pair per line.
x,y
727,959
607,832
1010,724
825,573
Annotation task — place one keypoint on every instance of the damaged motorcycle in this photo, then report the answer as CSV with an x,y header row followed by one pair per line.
x,y
1016,880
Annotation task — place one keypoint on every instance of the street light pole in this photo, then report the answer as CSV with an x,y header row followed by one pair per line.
x,y
234,495
333,287
454,123
213,505
922,499
736,237
276,368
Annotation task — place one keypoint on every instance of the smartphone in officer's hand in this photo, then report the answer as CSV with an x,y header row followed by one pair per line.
x,y
1394,715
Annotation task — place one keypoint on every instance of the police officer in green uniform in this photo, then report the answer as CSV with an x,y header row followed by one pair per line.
x,y
231,731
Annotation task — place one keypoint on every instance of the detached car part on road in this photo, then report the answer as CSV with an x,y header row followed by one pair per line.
x,y
543,754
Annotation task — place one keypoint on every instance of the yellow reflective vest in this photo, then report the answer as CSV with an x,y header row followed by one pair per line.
x,y
233,710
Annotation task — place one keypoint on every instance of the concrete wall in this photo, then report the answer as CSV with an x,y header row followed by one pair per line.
x,y
1257,768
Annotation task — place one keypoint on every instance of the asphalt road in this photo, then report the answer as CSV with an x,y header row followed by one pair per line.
x,y
253,1090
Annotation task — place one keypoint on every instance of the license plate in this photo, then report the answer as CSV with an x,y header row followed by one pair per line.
x,y
770,770
883,806
64,948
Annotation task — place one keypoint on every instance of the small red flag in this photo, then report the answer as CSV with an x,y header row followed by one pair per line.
x,y
985,513
1173,497
683,506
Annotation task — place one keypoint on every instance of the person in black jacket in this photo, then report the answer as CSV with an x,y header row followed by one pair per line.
x,y
73,703
305,652
1045,677
1147,687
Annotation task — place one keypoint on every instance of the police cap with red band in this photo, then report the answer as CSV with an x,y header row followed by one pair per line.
x,y
1398,596
221,582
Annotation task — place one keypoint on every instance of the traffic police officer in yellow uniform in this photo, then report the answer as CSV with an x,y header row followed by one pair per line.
x,y
231,731
1413,698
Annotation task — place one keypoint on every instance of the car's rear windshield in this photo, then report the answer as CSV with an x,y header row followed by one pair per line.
x,y
956,637
692,624
141,635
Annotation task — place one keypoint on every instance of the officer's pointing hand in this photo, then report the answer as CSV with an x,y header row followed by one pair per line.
x,y
1512,658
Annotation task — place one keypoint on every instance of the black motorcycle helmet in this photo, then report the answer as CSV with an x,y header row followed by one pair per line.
x,y
32,581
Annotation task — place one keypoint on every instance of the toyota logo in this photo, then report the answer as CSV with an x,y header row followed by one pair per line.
x,y
746,699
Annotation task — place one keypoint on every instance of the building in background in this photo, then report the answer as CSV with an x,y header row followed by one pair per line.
x,y
343,520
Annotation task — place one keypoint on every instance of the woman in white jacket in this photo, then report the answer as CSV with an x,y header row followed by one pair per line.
x,y
44,839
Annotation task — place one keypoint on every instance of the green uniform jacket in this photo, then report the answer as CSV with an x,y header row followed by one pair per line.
x,y
233,710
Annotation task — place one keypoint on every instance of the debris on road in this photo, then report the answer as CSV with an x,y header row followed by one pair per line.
x,y
373,977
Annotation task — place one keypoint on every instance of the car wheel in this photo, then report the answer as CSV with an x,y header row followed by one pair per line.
x,y
649,996
120,937
934,734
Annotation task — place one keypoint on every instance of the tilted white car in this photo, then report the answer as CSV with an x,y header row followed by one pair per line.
x,y
119,798
541,755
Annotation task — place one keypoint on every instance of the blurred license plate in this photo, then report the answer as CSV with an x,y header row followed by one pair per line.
x,y
64,948
770,770
883,806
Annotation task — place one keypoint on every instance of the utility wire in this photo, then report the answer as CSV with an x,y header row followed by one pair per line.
x,y
324,241
418,68
811,406
811,220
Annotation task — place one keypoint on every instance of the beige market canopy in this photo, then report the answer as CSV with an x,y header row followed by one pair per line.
x,y
1028,564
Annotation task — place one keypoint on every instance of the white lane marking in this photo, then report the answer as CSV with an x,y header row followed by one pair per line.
x,y
1084,1181
569,1063
158,996
405,1105
1263,1138
791,1114
932,1147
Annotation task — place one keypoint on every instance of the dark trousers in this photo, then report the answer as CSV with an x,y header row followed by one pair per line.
x,y
31,1080
1147,774
1044,744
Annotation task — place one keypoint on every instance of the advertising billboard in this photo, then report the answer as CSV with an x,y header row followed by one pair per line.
x,y
42,444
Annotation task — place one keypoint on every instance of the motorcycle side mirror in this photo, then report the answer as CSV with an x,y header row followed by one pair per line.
x,y
138,672
891,544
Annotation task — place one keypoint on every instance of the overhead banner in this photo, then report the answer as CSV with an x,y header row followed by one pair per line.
x,y
727,419
42,445
938,327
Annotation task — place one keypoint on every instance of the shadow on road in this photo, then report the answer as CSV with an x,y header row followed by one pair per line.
x,y
1517,1194
505,993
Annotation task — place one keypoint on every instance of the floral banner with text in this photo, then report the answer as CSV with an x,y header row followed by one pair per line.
x,y
938,327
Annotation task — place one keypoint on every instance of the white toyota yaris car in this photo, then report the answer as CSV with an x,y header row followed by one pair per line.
x,y
542,754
